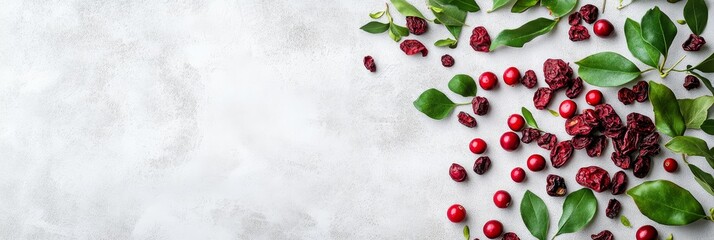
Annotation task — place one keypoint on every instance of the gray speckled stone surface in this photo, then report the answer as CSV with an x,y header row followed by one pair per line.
x,y
256,120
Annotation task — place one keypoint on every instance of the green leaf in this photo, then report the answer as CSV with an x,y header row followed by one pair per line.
x,y
668,117
434,104
578,210
467,234
704,80
445,42
691,146
708,126
666,203
406,9
695,111
534,213
553,112
498,4
528,116
607,69
375,27
455,31
681,21
463,85
658,30
703,178
523,34
523,5
449,15
640,48
625,222
376,15
466,5
559,8
695,13
707,65
396,32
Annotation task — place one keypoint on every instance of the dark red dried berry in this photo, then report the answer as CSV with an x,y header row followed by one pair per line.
x,y
621,160
482,165
651,140
597,146
593,177
641,90
613,208
578,33
417,26
614,132
604,235
542,98
693,43
561,154
480,105
628,143
529,79
575,89
480,40
557,73
619,183
467,120
589,13
607,116
411,47
581,142
640,123
510,236
528,135
691,82
447,60
369,64
457,172
642,166
574,19
547,141
576,126
626,96
555,186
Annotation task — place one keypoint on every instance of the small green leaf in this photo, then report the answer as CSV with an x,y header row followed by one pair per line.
x,y
666,203
466,5
707,65
703,178
467,234
708,126
463,85
376,15
559,8
534,214
375,27
498,4
455,31
607,69
528,116
434,104
523,5
445,42
695,111
406,9
578,210
637,45
704,80
658,30
625,222
681,21
668,117
437,10
523,34
396,32
696,14
670,237
689,145
449,15
553,112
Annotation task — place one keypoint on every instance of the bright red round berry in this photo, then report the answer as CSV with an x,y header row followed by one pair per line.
x,y
487,80
510,141
518,174
492,229
646,232
516,122
502,199
477,146
456,213
511,76
567,108
593,97
536,162
603,28
670,165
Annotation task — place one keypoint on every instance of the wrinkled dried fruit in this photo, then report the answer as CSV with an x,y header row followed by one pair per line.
x,y
467,120
629,142
416,26
457,172
528,135
542,98
626,96
641,90
621,160
482,165
369,64
691,82
582,124
529,79
575,89
447,60
574,19
480,105
581,142
560,155
547,141
607,116
578,33
411,47
619,183
597,146
642,166
557,73
649,145
480,40
510,236
613,208
604,235
640,123
555,186
693,43
589,13
593,177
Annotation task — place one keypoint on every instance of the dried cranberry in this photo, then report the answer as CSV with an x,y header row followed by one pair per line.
x,y
578,125
613,208
649,151
560,155
482,165
693,43
480,105
575,89
642,166
529,79
574,19
467,120
555,186
411,47
651,140
621,160
416,25
607,116
369,64
641,90
542,98
604,235
480,40
626,96
619,183
597,146
510,236
557,73
447,60
628,143
589,13
578,33
581,142
593,177
640,123
547,141
457,172
614,132
691,82
529,134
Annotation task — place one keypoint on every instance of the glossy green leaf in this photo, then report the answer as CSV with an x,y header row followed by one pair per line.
x,y
523,34
666,203
695,111
406,9
455,31
607,69
434,104
449,15
625,222
463,85
375,27
578,210
466,5
499,4
523,5
705,81
467,233
445,42
553,112
703,178
691,146
707,65
376,15
668,117
559,8
658,30
640,48
528,116
534,214
708,126
696,15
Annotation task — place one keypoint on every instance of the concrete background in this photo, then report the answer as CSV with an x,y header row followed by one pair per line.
x,y
256,120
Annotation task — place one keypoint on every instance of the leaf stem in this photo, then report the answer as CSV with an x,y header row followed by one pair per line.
x,y
662,66
603,6
461,104
666,72
647,70
679,70
389,15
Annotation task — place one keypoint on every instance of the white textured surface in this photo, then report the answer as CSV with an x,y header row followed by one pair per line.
x,y
256,120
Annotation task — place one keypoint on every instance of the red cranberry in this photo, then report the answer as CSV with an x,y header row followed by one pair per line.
x,y
487,80
516,122
457,172
477,146
646,232
510,141
670,165
536,162
502,199
493,228
518,174
567,109
593,97
456,213
511,76
603,28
